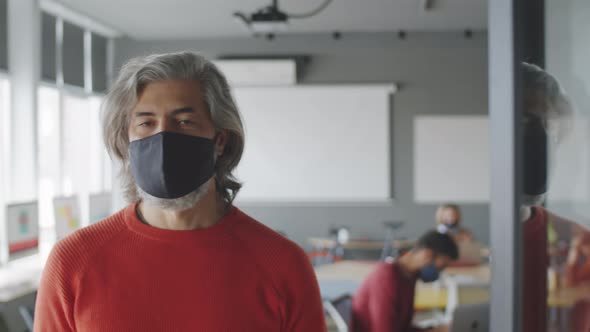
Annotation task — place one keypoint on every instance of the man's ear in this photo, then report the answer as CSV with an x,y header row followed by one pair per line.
x,y
428,255
220,142
425,256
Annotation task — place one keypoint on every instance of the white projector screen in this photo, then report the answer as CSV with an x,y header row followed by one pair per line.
x,y
315,143
451,159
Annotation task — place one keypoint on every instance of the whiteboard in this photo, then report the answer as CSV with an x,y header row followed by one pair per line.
x,y
315,143
451,159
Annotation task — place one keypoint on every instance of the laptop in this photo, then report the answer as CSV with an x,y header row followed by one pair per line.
x,y
471,318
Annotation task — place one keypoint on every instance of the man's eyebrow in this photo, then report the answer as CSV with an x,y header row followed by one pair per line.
x,y
143,113
183,110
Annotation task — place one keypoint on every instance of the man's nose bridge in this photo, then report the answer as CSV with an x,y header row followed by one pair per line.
x,y
165,124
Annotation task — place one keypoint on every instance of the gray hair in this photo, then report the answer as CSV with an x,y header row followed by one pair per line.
x,y
135,75
544,99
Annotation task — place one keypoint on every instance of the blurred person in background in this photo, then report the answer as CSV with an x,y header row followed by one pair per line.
x,y
448,219
385,300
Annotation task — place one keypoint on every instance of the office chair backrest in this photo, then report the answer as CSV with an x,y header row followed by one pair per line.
x,y
27,314
340,310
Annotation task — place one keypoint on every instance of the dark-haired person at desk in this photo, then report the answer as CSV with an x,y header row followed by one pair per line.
x,y
180,256
385,300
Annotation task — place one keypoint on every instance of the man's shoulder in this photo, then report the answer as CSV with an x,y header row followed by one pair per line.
x,y
380,281
386,269
74,251
263,240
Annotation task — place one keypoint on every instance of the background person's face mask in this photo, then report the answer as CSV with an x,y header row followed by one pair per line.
x,y
451,224
447,229
429,273
171,165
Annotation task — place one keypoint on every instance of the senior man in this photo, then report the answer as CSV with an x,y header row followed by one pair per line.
x,y
180,256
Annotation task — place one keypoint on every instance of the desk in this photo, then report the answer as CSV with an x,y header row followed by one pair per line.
x,y
480,273
567,297
20,277
358,270
359,244
473,285
19,281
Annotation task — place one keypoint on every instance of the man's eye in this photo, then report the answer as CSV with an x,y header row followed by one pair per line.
x,y
185,122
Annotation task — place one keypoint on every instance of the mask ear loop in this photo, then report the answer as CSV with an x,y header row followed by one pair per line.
x,y
215,137
216,155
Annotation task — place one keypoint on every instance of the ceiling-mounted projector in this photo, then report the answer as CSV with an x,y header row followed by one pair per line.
x,y
271,19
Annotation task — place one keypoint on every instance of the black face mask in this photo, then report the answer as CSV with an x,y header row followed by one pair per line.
x,y
535,158
171,165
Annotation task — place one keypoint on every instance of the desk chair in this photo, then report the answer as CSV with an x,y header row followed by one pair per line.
x,y
27,314
388,249
340,310
340,235
3,325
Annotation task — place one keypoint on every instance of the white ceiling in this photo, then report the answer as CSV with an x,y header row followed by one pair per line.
x,y
188,19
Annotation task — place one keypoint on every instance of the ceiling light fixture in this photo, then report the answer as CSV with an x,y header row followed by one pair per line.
x,y
427,5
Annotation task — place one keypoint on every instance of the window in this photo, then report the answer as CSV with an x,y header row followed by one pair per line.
x,y
5,133
49,152
72,157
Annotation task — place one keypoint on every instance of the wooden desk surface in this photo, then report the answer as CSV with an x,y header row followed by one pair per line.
x,y
567,297
431,296
345,270
357,244
19,278
358,270
428,297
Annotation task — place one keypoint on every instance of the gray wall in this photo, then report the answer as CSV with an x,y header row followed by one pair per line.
x,y
439,73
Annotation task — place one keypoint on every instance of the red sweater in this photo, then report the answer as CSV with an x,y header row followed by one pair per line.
x,y
535,263
385,301
123,275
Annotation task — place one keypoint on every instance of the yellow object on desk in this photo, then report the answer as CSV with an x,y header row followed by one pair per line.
x,y
429,296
